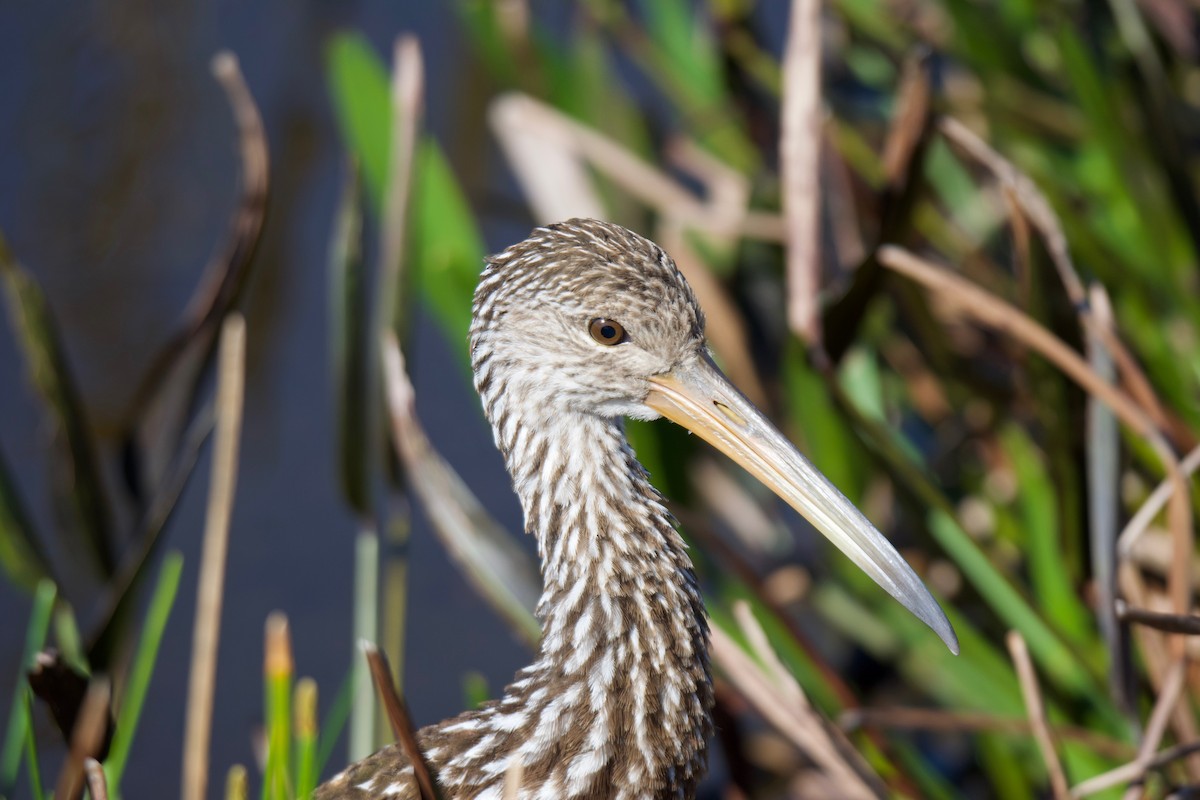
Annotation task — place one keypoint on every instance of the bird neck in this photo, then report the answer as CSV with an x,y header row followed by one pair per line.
x,y
620,694
612,562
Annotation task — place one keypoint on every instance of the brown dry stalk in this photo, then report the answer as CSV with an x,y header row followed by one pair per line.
x,y
207,628
501,571
401,722
913,100
800,167
995,312
408,80
1036,709
781,702
86,738
1133,771
1155,651
548,151
726,327
1164,706
1022,191
97,783
1171,623
1153,504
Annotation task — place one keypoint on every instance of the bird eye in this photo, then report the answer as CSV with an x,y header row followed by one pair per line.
x,y
607,331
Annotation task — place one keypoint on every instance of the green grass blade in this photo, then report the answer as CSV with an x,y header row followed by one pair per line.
x,y
358,84
18,717
78,484
21,554
447,249
1053,584
304,704
336,719
31,759
68,638
277,675
237,785
1010,605
142,671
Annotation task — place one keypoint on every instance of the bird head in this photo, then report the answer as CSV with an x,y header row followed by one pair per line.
x,y
581,315
586,317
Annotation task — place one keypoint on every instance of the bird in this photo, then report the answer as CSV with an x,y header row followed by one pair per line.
x,y
574,329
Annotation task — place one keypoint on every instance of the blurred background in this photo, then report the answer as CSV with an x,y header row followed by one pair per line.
x,y
1003,482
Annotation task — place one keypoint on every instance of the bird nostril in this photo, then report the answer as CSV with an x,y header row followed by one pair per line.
x,y
732,415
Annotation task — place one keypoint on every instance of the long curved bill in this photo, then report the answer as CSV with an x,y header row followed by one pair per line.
x,y
701,399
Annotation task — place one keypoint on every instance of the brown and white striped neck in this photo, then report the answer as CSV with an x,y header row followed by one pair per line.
x,y
617,703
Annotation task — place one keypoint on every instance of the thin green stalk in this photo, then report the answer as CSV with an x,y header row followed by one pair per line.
x,y
66,635
144,659
335,720
236,783
18,718
304,704
31,760
278,669
366,628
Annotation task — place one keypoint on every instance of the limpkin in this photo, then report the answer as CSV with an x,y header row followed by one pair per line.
x,y
580,325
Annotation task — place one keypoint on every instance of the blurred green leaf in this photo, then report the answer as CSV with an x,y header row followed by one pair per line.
x,y
18,712
133,698
21,555
447,248
359,86
446,251
78,483
351,349
1039,526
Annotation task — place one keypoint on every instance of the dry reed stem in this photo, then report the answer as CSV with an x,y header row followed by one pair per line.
x,y
781,703
86,738
845,222
913,101
1036,710
221,278
1154,650
562,145
1153,504
932,719
1133,771
800,167
1038,210
728,500
1164,706
549,153
1171,623
498,569
401,722
992,311
726,325
222,273
408,80
97,783
206,631
727,194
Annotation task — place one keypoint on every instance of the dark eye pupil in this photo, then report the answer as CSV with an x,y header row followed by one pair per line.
x,y
606,331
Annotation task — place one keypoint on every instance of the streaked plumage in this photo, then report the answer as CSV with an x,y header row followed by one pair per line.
x,y
617,703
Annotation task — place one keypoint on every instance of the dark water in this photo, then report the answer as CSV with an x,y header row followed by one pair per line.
x,y
117,178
